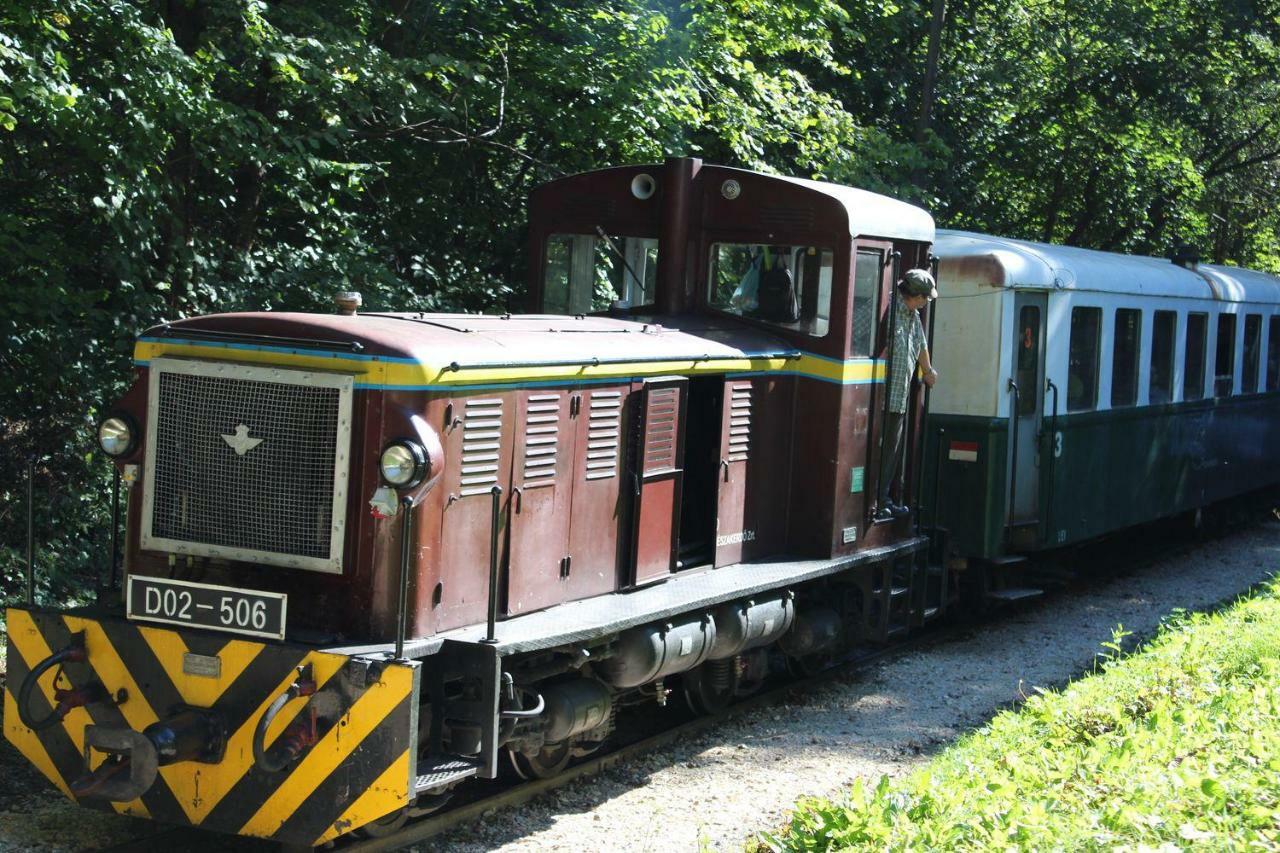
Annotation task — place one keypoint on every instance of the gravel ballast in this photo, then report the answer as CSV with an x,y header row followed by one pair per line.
x,y
717,789
741,777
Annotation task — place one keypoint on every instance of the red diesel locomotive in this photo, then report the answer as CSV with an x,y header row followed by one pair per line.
x,y
372,556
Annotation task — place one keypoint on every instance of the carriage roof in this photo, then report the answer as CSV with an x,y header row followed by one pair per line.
x,y
973,261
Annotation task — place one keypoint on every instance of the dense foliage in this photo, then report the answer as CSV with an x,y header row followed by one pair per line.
x,y
1174,747
161,158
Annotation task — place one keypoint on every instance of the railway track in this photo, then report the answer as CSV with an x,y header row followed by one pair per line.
x,y
515,794
518,794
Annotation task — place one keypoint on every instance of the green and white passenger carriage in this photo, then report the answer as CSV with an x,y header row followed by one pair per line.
x,y
1085,392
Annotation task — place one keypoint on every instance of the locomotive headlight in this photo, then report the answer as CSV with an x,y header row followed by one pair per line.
x,y
403,464
116,436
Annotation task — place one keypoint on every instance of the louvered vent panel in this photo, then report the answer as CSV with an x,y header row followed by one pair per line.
x,y
660,426
740,422
605,413
541,438
481,444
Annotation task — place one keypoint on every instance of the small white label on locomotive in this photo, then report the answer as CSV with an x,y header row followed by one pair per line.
x,y
735,538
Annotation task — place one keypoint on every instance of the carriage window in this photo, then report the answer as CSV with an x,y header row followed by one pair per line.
x,y
1028,358
867,275
1124,357
587,272
1164,331
1082,368
1224,359
1252,352
1273,353
787,286
1193,363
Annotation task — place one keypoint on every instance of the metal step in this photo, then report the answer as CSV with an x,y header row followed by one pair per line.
x,y
1014,594
930,613
442,771
1008,560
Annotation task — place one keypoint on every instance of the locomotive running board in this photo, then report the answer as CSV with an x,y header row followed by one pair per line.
x,y
576,621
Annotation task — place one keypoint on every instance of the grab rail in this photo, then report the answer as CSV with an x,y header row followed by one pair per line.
x,y
1053,459
1013,464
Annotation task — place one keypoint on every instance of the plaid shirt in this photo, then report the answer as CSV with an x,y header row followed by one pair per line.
x,y
908,343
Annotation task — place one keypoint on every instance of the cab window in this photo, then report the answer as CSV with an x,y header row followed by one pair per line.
x,y
785,286
590,272
868,270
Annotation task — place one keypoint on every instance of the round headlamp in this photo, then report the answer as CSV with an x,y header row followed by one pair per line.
x,y
116,436
403,464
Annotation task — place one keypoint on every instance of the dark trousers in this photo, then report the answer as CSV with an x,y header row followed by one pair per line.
x,y
894,425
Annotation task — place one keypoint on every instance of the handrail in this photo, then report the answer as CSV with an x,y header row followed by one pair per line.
x,y
596,361
924,423
1053,458
937,480
491,633
218,335
402,594
890,330
1013,464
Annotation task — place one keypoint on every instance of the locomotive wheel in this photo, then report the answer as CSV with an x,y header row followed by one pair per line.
x,y
807,665
384,826
547,762
704,695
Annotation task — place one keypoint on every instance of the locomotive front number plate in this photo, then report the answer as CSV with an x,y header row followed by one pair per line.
x,y
201,605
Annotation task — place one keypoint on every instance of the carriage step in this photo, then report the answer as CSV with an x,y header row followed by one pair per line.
x,y
930,613
1014,594
1008,560
442,771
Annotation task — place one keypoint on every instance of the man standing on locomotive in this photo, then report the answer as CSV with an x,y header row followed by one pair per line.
x,y
909,354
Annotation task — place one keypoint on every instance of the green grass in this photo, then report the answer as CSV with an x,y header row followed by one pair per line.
x,y
1176,746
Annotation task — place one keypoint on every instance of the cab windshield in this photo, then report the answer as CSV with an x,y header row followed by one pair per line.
x,y
592,272
785,286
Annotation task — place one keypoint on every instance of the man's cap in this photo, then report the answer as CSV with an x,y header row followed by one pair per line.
x,y
919,283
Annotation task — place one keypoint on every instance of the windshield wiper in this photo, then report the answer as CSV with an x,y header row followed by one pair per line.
x,y
626,266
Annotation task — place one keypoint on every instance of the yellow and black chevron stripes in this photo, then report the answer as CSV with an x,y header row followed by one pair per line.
x,y
359,769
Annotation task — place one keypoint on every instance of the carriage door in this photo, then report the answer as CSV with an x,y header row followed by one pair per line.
x,y
658,477
1028,367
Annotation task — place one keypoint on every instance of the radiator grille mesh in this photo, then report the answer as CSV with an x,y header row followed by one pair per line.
x,y
277,495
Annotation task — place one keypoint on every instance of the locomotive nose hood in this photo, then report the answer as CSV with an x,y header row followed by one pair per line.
x,y
442,352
